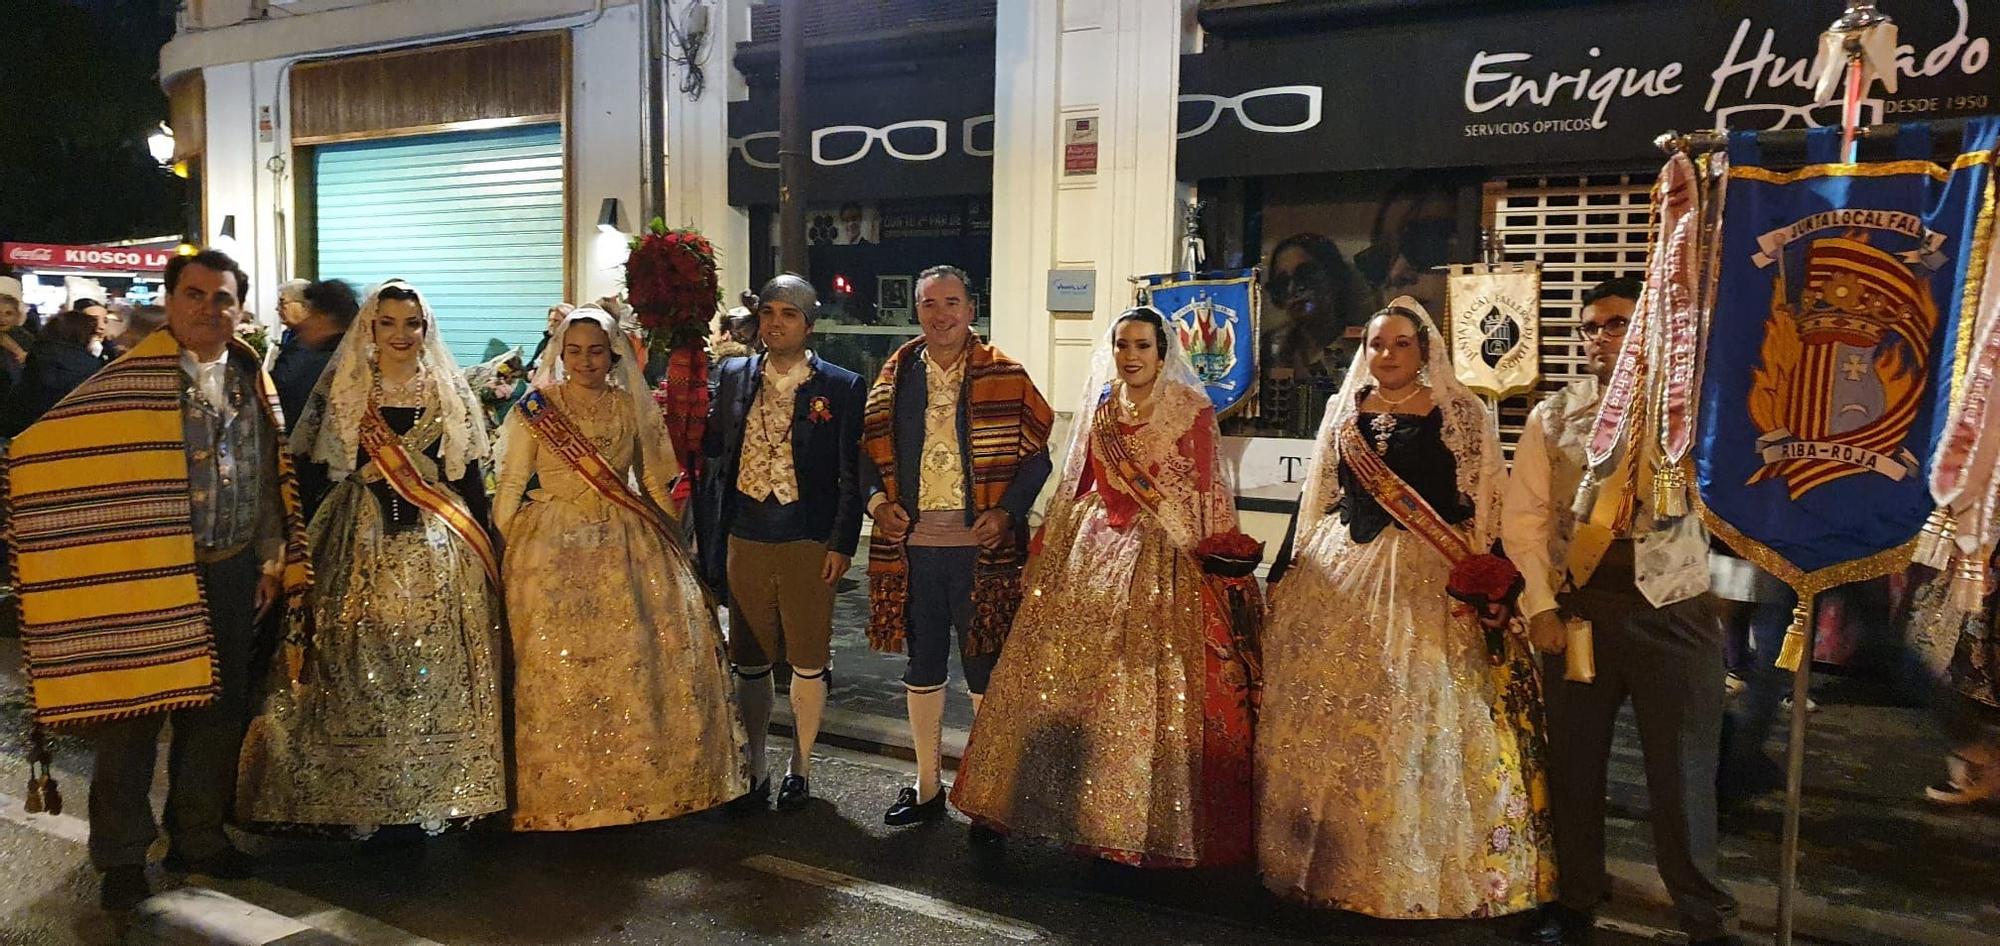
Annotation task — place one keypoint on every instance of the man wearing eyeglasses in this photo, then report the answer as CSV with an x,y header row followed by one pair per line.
x,y
1666,658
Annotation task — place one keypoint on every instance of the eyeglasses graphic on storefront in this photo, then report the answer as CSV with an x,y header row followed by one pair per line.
x,y
1823,115
917,140
1277,110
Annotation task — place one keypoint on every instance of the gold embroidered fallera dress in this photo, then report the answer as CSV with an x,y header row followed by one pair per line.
x,y
1396,776
1118,718
623,708
398,720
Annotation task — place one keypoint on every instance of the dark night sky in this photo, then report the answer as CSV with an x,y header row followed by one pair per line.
x,y
80,97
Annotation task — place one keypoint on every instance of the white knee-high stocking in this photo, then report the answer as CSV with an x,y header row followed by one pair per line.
x,y
808,703
927,733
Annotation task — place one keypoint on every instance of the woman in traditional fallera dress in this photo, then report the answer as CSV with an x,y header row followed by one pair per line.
x,y
390,713
623,708
1398,753
1118,719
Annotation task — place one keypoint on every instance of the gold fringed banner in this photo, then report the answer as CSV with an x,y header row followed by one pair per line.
x,y
1496,327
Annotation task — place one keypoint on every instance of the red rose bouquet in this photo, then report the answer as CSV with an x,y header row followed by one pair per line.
x,y
1484,580
1229,554
671,284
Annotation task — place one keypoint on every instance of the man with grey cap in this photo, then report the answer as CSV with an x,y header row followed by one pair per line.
x,y
778,516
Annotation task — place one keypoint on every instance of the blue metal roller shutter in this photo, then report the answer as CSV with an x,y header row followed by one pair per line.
x,y
473,219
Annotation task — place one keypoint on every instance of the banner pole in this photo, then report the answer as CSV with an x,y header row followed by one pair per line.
x,y
1795,770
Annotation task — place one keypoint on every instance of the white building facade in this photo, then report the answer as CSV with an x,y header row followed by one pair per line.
x,y
1346,150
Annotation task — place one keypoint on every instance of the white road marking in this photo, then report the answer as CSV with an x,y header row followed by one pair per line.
x,y
213,916
910,901
256,912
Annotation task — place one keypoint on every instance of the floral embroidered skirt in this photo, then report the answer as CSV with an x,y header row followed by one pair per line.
x,y
623,707
1118,719
399,719
1398,766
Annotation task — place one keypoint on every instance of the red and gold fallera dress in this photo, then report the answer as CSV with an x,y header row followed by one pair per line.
x,y
1118,721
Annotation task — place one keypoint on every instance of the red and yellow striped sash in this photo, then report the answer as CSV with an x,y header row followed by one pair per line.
x,y
560,435
1398,499
385,449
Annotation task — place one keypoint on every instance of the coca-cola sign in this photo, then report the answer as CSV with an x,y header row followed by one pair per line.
x,y
102,259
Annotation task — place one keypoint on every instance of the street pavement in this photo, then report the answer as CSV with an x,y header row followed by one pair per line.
x,y
1879,866
829,874
1878,863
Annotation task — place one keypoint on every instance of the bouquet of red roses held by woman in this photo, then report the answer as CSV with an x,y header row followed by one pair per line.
x,y
1229,554
1490,586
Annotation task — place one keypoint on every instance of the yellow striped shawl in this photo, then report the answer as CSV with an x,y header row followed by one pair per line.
x,y
101,540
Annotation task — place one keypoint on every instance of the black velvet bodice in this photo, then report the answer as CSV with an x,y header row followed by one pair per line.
x,y
1418,454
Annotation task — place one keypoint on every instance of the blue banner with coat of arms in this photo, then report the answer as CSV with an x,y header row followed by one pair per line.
x,y
1841,320
1215,314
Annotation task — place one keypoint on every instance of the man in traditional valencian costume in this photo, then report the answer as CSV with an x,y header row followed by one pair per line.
x,y
954,448
155,519
1610,570
778,516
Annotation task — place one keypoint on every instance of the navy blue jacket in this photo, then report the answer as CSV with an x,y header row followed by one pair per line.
x,y
296,371
54,368
912,394
824,457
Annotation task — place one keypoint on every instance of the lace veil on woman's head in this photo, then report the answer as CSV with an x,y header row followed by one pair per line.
x,y
1179,399
1470,431
627,377
329,429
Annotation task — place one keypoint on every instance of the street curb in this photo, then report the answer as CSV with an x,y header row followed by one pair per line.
x,y
198,915
1814,917
867,732
1634,881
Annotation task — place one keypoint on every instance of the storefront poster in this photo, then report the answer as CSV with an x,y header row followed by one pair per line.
x,y
1536,84
1269,470
874,136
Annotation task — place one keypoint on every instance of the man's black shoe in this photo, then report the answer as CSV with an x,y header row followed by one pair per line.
x,y
908,810
758,798
227,864
794,793
123,888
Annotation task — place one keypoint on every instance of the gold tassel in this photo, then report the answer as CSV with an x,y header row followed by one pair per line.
x,y
51,798
1793,653
1934,542
1969,582
43,796
1670,492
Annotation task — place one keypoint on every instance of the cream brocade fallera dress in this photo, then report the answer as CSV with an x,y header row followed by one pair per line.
x,y
623,710
1392,779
